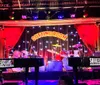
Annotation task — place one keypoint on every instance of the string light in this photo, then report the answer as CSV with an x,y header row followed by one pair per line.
x,y
23,41
67,39
27,41
40,43
28,31
33,46
57,40
33,27
47,27
47,41
26,49
60,28
53,27
51,42
45,46
69,26
71,32
79,42
85,51
63,44
12,51
75,35
70,46
41,49
72,39
19,46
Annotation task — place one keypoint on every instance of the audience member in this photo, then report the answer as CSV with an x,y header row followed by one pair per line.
x,y
65,80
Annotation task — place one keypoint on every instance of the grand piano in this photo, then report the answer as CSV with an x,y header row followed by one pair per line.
x,y
76,62
23,62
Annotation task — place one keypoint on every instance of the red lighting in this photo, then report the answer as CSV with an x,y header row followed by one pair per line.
x,y
85,15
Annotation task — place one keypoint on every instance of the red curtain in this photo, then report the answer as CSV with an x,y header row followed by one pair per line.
x,y
89,35
9,36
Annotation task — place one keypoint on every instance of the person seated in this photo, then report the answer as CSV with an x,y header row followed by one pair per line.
x,y
65,80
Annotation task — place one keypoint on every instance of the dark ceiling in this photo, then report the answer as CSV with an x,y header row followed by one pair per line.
x,y
48,8
44,4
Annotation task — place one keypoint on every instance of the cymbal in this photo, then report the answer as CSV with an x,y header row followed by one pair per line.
x,y
56,45
54,52
51,51
77,46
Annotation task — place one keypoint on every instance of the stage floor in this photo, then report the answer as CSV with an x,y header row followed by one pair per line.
x,y
51,78
51,82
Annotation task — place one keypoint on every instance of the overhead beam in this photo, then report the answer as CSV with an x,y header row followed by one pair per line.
x,y
50,22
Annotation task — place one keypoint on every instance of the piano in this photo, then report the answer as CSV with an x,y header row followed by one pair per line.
x,y
75,62
91,61
23,62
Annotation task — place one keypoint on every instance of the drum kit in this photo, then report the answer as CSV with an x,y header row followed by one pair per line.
x,y
69,52
74,53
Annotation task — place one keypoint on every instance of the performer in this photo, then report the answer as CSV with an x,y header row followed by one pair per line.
x,y
65,56
24,54
54,51
32,52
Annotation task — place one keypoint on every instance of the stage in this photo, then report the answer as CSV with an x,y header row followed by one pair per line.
x,y
48,78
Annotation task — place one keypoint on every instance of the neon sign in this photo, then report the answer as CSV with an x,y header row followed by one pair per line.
x,y
49,34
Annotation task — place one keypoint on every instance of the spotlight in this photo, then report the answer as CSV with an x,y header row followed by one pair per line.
x,y
35,17
60,15
49,12
85,15
11,17
11,14
72,15
47,17
24,17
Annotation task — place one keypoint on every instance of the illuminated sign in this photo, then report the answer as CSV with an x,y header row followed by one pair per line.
x,y
94,61
49,34
6,63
